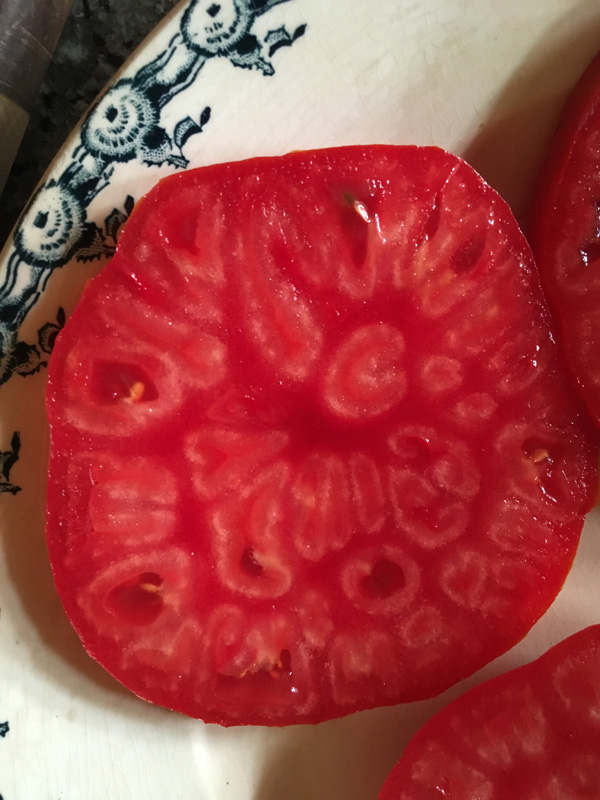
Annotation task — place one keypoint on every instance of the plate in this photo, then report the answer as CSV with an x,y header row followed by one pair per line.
x,y
216,82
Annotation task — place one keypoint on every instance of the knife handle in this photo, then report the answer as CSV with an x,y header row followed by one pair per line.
x,y
29,31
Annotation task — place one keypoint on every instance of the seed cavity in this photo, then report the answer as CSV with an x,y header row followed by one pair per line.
x,y
468,255
120,382
385,579
432,223
285,661
137,601
250,564
275,669
355,218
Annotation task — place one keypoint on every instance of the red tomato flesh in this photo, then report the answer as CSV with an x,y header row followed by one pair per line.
x,y
313,448
565,232
532,733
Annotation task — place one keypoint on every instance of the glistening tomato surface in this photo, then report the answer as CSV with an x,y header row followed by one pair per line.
x,y
565,232
313,450
532,733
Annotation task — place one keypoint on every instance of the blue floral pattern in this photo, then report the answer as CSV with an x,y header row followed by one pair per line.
x,y
124,125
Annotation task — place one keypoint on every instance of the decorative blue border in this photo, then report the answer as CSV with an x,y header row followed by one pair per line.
x,y
7,461
124,125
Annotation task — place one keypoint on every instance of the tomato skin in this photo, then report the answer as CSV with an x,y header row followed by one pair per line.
x,y
533,732
564,231
340,438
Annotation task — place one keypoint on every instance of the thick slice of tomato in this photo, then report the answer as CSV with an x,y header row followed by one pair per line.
x,y
531,733
313,446
565,232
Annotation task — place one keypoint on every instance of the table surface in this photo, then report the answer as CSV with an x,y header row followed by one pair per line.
x,y
97,38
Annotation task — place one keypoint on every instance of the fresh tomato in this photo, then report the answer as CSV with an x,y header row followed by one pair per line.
x,y
313,447
532,733
565,232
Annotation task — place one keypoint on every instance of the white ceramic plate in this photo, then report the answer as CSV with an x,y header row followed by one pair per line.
x,y
482,79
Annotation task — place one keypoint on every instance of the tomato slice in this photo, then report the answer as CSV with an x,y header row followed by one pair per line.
x,y
565,232
313,447
533,732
